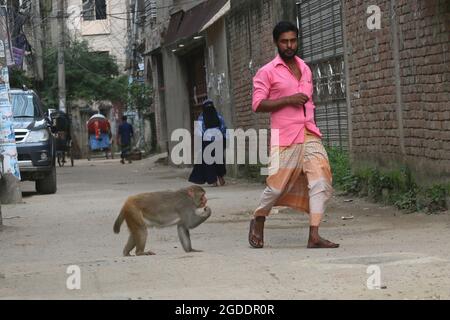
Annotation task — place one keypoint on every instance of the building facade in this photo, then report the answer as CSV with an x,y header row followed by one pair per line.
x,y
102,23
186,52
381,93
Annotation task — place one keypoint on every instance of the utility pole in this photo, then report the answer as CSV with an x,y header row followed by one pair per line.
x,y
61,64
37,35
130,34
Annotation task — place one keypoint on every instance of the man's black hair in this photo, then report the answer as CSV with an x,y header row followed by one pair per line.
x,y
282,27
124,118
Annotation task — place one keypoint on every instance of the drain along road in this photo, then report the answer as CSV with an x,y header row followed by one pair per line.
x,y
46,234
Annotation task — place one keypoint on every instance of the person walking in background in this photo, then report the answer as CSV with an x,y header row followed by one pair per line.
x,y
302,178
209,122
125,133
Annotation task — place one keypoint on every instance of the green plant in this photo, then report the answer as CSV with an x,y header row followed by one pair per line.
x,y
406,201
139,96
90,75
18,78
395,186
352,184
340,166
436,196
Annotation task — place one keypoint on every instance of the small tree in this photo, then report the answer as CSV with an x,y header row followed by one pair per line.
x,y
91,76
139,97
18,78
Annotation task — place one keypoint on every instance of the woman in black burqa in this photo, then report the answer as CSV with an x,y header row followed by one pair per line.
x,y
213,174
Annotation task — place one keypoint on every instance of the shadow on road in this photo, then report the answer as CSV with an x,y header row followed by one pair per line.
x,y
29,194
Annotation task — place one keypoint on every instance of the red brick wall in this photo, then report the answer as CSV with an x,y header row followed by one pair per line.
x,y
424,60
371,76
425,73
249,31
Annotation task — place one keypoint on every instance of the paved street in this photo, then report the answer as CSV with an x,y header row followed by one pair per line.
x,y
46,234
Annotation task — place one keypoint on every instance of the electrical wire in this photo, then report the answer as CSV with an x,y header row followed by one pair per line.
x,y
113,28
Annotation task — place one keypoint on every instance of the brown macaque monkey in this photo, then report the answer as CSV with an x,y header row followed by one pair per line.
x,y
186,208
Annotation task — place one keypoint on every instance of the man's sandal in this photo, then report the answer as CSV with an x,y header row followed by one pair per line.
x,y
259,243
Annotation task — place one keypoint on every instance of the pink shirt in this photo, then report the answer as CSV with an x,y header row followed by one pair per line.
x,y
275,80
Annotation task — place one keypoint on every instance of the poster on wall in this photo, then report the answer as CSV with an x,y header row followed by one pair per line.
x,y
10,163
7,137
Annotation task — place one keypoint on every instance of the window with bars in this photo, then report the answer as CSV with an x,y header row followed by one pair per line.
x,y
94,10
321,46
320,25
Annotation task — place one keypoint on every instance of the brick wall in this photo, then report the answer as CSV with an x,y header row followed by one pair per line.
x,y
399,85
249,33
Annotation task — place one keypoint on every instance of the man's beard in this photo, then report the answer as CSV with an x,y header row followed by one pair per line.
x,y
287,56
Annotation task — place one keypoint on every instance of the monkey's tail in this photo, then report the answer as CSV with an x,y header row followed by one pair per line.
x,y
119,221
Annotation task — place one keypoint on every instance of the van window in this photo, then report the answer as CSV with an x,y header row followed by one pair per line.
x,y
23,105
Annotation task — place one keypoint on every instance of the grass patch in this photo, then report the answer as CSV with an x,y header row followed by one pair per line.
x,y
396,187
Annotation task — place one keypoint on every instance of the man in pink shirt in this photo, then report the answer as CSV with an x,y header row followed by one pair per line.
x,y
300,174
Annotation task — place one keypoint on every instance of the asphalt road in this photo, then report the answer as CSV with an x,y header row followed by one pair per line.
x,y
46,235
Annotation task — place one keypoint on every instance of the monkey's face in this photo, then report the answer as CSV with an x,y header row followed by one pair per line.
x,y
203,200
198,194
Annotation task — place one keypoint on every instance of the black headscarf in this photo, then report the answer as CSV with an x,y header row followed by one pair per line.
x,y
210,117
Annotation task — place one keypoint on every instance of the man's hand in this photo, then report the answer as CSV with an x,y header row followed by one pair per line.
x,y
298,99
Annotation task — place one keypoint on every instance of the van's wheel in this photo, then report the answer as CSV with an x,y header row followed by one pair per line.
x,y
48,184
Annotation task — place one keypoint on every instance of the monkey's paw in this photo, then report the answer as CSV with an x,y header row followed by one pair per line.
x,y
147,253
206,212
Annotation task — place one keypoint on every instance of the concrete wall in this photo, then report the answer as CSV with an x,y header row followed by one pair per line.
x,y
217,77
217,73
157,74
153,33
154,28
172,97
176,94
399,85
